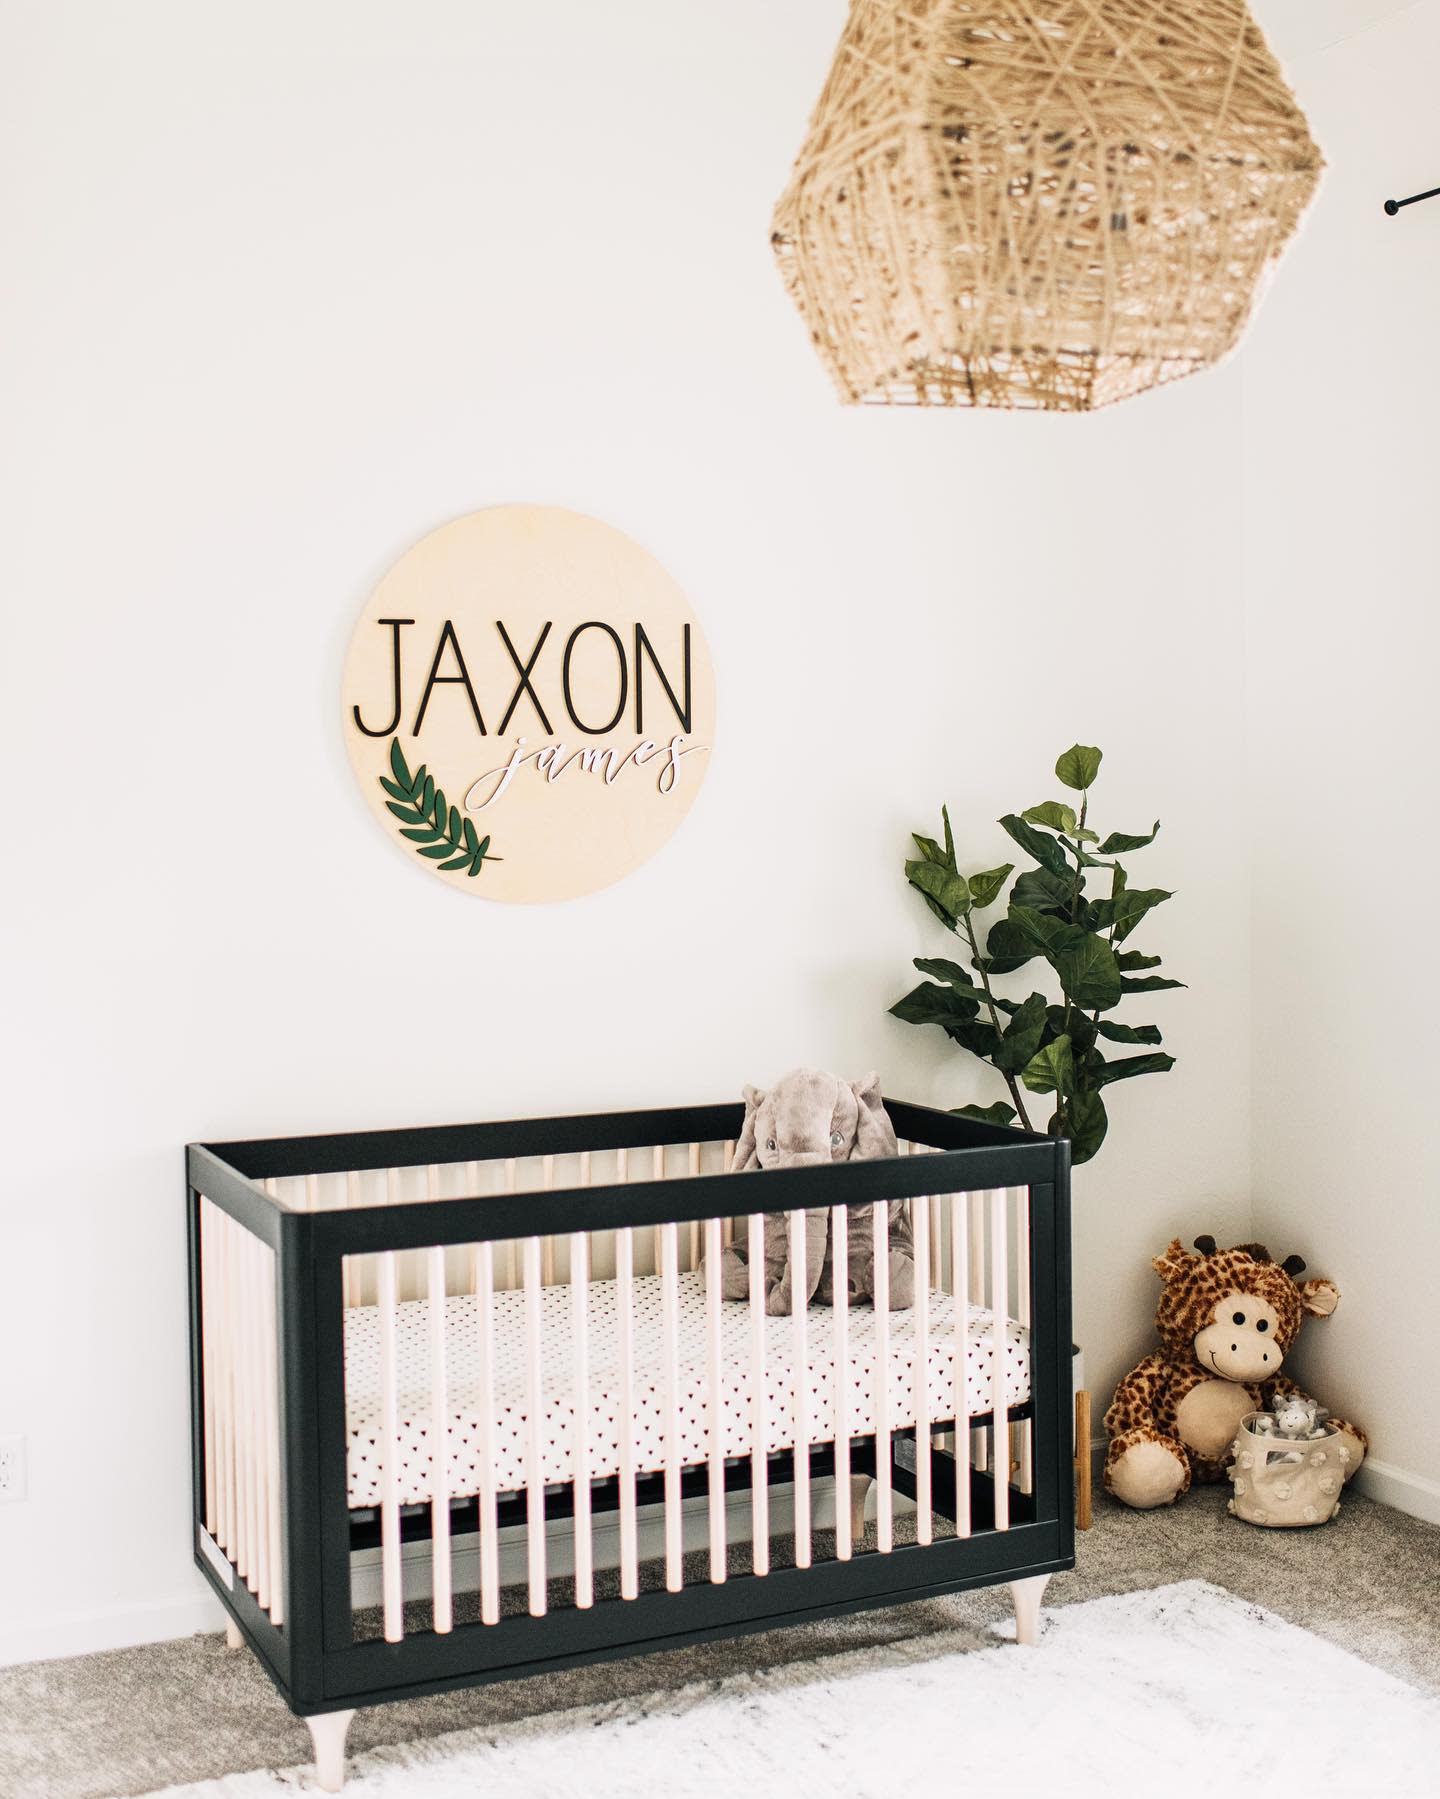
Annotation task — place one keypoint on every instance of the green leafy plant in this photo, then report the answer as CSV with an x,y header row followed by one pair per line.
x,y
1036,1044
428,820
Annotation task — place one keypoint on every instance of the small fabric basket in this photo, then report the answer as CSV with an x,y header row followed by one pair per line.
x,y
1285,1483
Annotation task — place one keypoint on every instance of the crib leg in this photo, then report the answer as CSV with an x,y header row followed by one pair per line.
x,y
859,1493
327,1736
233,1638
1027,1595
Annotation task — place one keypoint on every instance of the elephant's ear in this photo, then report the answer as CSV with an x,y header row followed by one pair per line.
x,y
745,1156
1319,1298
874,1133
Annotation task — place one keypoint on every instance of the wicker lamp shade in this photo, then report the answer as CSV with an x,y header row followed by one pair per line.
x,y
1051,205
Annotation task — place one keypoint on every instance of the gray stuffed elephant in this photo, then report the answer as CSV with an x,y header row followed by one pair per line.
x,y
807,1118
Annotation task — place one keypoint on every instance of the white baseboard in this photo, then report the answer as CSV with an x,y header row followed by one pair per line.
x,y
1397,1487
118,1627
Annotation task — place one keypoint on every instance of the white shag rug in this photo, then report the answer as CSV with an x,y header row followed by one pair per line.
x,y
1177,1689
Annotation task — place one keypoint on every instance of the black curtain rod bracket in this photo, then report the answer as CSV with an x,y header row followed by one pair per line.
x,y
1393,206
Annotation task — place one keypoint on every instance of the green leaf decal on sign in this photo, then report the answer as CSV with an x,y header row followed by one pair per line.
x,y
428,820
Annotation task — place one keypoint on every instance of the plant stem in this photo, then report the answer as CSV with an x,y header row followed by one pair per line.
x,y
1009,1079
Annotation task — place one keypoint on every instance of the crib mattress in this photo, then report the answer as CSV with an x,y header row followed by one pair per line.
x,y
697,1415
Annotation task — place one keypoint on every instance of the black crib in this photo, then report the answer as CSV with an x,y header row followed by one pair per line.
x,y
271,1224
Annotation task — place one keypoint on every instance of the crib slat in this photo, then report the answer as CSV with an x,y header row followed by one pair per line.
x,y
727,1225
484,1284
920,1219
960,1291
439,1429
694,1261
224,1388
547,1177
759,1464
1022,1314
392,1588
472,1187
580,1328
535,1436
999,1307
977,1210
670,1334
799,1300
715,1399
883,1495
207,1355
840,1288
624,1293
657,1173
512,1250
270,1428
353,1266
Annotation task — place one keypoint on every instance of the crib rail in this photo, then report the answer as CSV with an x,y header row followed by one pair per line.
x,y
509,1233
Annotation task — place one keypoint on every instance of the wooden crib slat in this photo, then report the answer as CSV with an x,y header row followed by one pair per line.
x,y
207,1357
883,1496
715,1401
999,1308
484,1284
244,1470
472,1187
547,1181
727,1225
840,1288
512,1280
800,1387
580,1329
225,1386
535,1436
960,1291
353,1266
391,1573
269,1338
694,1166
920,1219
759,1463
657,1173
624,1293
439,1428
1022,1314
257,1521
670,1336
977,1209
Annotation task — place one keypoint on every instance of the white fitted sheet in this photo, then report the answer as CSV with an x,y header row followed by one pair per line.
x,y
510,1434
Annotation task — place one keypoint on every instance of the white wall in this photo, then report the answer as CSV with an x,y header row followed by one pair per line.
x,y
1341,396
290,286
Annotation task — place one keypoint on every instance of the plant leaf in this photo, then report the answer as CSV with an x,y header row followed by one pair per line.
x,y
1050,1070
1006,948
1089,974
929,849
460,861
1125,910
399,768
1085,1125
419,833
411,814
1129,1066
1078,767
959,982
1150,983
929,1004
950,892
985,888
1131,959
1043,891
1053,816
1021,1037
1117,843
1044,850
437,850
999,1113
949,839
1127,1033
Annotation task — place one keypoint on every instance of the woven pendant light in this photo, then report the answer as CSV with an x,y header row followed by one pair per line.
x,y
1050,205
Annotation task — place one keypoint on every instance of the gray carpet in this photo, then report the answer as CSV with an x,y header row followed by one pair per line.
x,y
127,1722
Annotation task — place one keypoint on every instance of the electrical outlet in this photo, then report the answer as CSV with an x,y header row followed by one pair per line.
x,y
12,1469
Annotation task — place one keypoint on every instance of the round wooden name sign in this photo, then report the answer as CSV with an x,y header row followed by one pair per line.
x,y
529,704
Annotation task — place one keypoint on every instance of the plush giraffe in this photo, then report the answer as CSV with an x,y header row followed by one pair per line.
x,y
1227,1318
